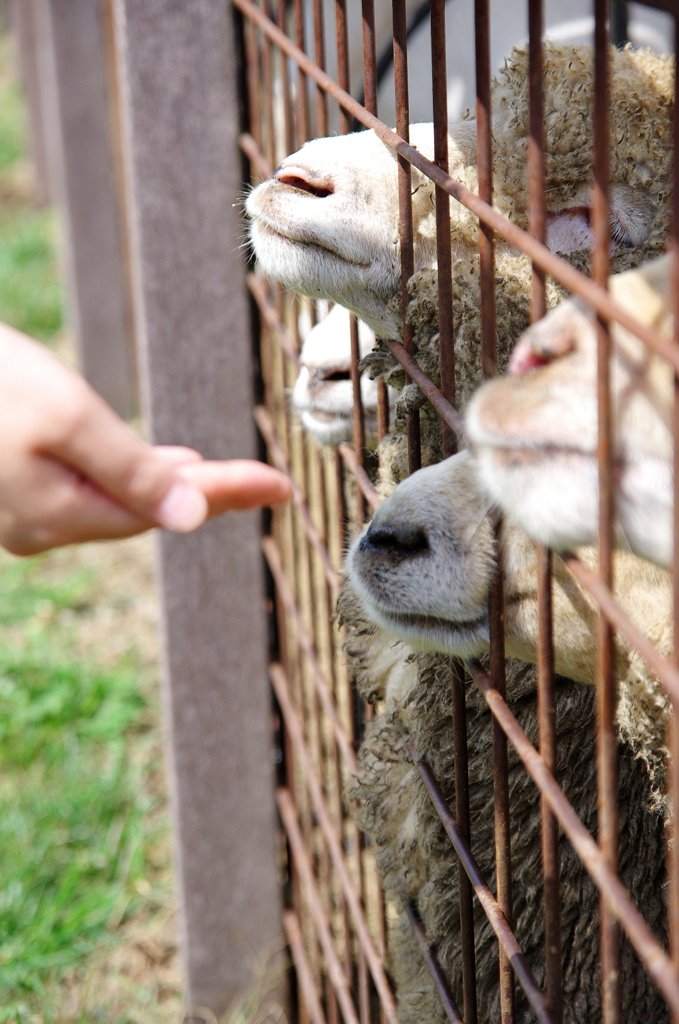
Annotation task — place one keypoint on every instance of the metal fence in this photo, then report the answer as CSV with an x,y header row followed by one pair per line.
x,y
335,920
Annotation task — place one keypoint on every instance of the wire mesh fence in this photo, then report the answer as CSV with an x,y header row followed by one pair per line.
x,y
338,925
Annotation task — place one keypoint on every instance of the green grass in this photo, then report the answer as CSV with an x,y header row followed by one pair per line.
x,y
72,823
30,291
31,296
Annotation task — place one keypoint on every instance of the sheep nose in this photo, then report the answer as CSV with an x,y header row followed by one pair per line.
x,y
398,540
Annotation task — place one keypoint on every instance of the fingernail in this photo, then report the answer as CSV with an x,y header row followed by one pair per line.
x,y
183,508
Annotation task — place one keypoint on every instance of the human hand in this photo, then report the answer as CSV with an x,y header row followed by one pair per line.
x,y
71,470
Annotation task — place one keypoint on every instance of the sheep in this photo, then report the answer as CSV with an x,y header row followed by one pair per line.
x,y
326,225
422,571
535,431
414,855
323,392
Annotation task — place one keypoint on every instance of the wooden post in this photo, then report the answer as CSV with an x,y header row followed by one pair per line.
x,y
179,79
70,73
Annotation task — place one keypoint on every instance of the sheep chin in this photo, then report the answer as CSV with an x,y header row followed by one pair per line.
x,y
433,633
543,487
330,430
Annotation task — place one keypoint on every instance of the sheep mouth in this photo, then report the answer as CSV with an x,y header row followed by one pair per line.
x,y
265,227
327,417
436,633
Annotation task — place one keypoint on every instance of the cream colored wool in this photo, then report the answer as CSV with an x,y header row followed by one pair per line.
x,y
415,857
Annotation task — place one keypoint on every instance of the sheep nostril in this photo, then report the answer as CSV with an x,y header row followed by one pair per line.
x,y
396,540
295,181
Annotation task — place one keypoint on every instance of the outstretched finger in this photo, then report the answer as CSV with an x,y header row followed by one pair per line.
x,y
237,484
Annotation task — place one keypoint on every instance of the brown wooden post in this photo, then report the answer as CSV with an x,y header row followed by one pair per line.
x,y
70,73
179,76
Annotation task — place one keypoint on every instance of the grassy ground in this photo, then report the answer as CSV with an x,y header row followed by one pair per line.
x,y
87,929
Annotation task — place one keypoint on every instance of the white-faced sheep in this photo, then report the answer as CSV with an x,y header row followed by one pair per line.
x,y
422,570
535,431
323,392
326,225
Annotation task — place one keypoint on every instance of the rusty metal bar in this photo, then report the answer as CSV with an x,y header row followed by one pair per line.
x,y
342,60
548,751
546,692
305,978
274,562
463,817
255,155
363,480
282,690
484,161
268,431
405,206
649,950
302,104
370,103
445,410
442,986
607,747
319,54
491,906
673,765
259,292
357,419
547,261
443,240
302,860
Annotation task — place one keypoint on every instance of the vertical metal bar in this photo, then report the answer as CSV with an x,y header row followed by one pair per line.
x,y
370,103
546,694
462,815
405,205
496,600
319,53
285,82
302,96
443,250
358,424
485,170
673,767
342,60
550,832
606,697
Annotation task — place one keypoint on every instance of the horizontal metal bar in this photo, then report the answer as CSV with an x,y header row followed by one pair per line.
x,y
303,971
324,691
652,955
282,689
302,861
667,673
362,478
446,411
268,431
573,279
492,908
257,287
440,980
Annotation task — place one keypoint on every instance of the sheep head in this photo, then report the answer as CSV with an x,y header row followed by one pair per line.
x,y
323,394
535,431
423,570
